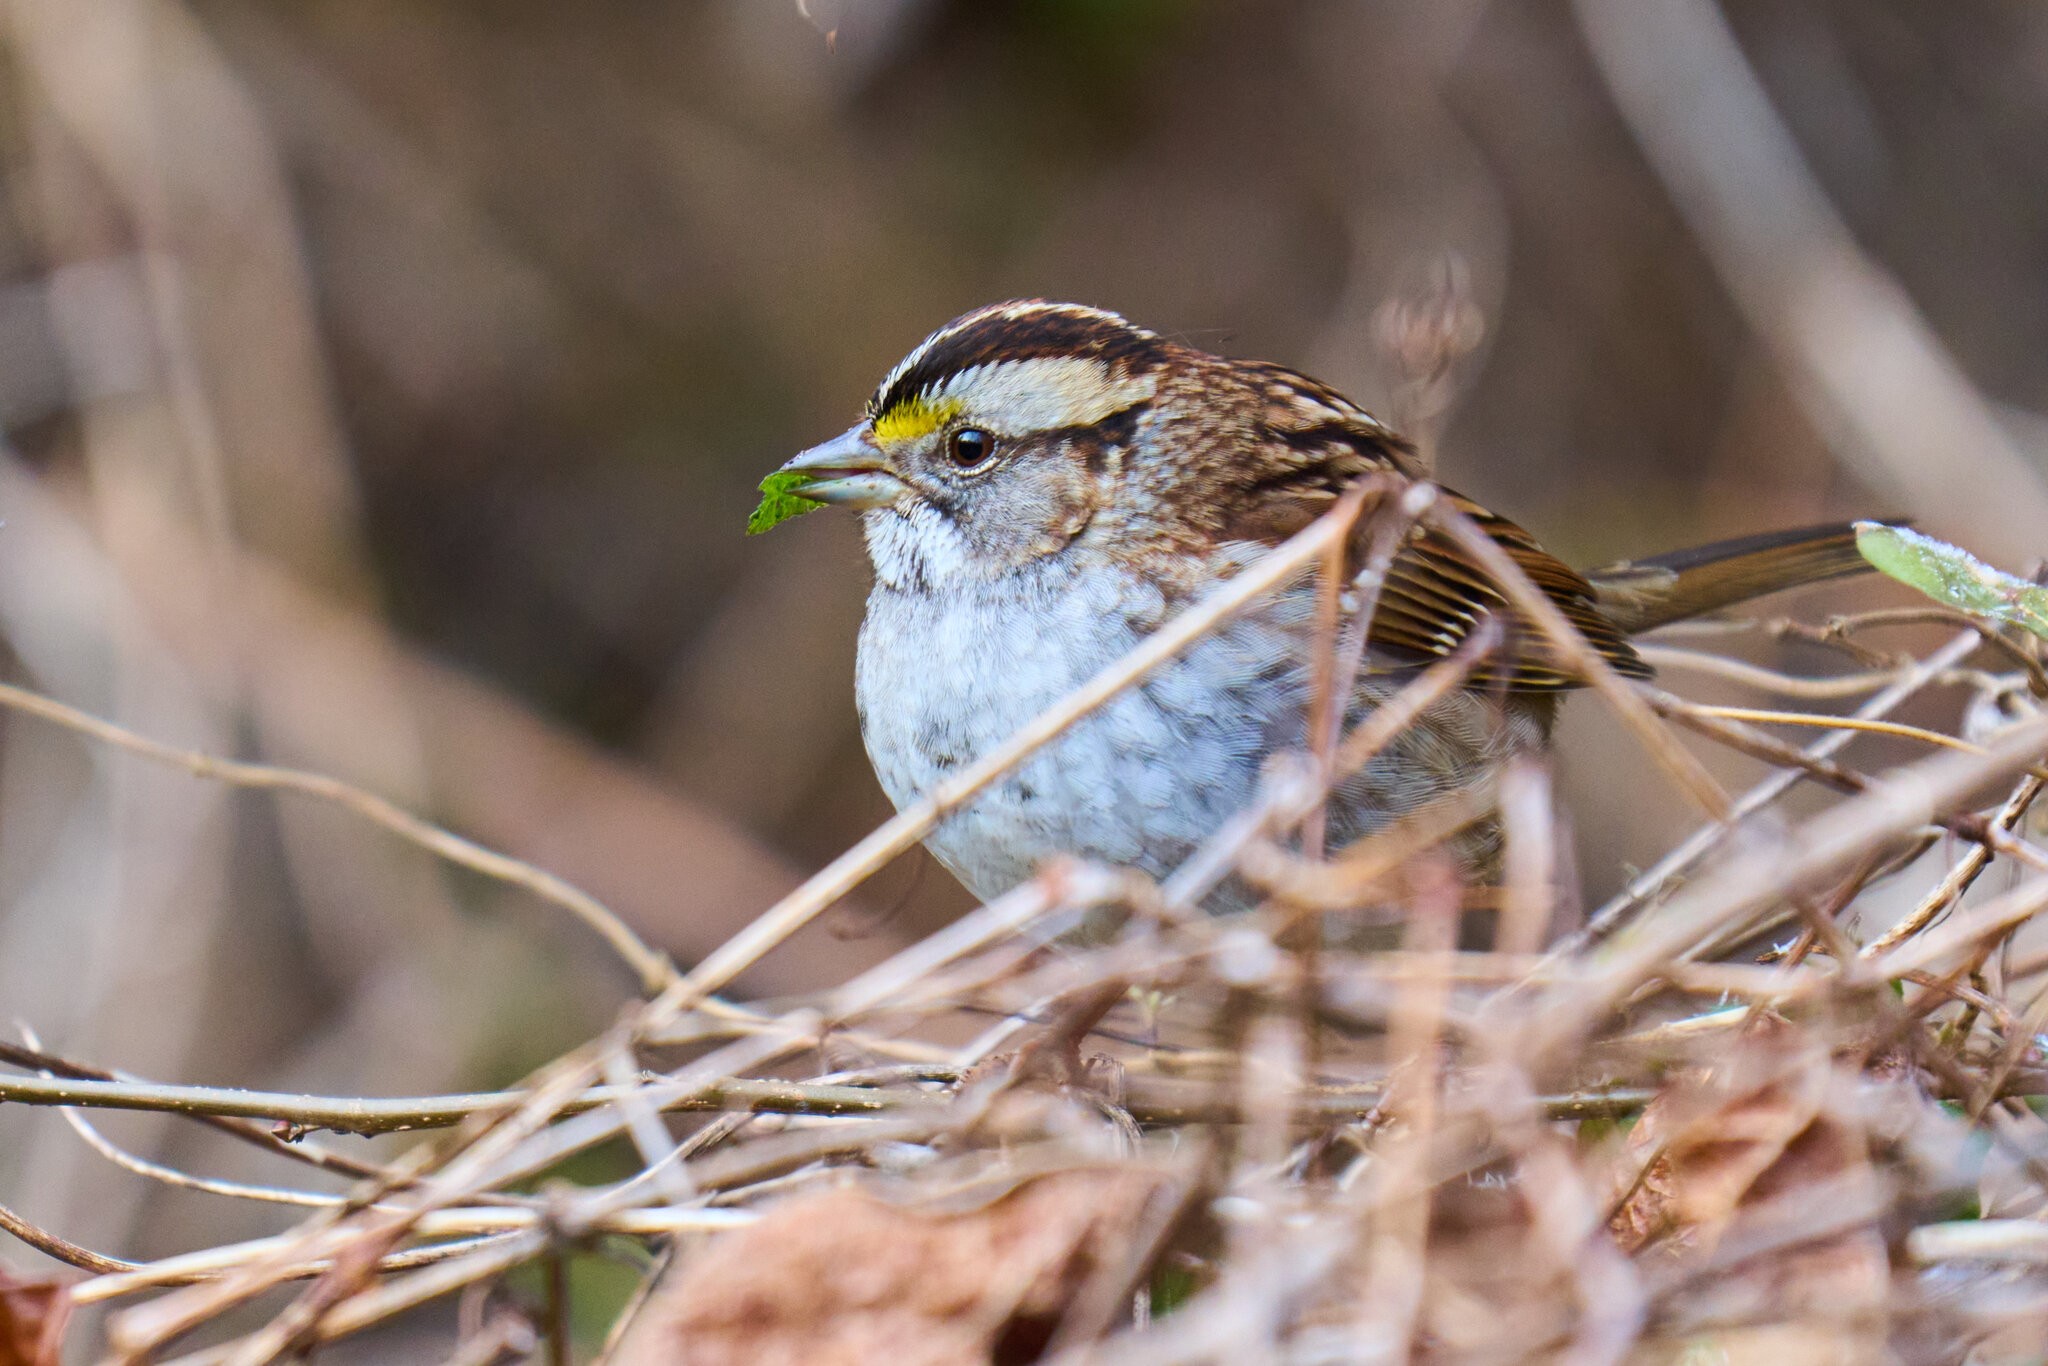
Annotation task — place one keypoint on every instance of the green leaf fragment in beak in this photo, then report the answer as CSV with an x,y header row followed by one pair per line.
x,y
778,501
1953,576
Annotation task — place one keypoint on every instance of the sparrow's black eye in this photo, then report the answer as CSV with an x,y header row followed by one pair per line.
x,y
970,446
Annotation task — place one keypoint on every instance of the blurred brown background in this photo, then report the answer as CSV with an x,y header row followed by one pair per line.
x,y
384,388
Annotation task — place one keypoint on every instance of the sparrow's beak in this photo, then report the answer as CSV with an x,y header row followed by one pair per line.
x,y
847,471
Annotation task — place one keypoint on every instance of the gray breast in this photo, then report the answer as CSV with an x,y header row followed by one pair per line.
x,y
942,678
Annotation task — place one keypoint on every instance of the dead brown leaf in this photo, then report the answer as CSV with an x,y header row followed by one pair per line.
x,y
1755,1169
844,1279
1708,1141
32,1318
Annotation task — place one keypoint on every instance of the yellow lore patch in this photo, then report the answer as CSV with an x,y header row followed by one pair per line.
x,y
914,417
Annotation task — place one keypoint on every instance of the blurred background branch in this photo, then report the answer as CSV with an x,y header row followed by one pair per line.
x,y
1862,360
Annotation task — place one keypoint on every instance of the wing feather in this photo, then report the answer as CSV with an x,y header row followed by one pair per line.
x,y
1316,443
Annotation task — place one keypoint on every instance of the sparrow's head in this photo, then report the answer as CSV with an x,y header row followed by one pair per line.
x,y
1031,429
1001,439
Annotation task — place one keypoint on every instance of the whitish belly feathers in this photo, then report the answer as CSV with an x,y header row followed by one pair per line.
x,y
943,678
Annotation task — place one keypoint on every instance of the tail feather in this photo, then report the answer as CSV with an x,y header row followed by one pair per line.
x,y
1640,595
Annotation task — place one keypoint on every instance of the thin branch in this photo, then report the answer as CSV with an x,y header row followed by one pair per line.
x,y
1707,721
1669,658
63,1249
311,1154
205,1185
1960,875
652,966
364,1115
1710,837
471,1228
1722,900
1838,628
1766,716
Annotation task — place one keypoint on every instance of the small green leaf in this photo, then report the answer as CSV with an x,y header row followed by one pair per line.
x,y
1953,576
1172,1287
778,501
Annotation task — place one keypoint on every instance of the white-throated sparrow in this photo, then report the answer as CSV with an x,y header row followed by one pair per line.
x,y
1043,484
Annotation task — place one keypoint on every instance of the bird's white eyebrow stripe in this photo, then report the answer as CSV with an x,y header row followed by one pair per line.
x,y
1045,392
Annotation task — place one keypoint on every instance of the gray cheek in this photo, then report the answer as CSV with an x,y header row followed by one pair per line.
x,y
1030,511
